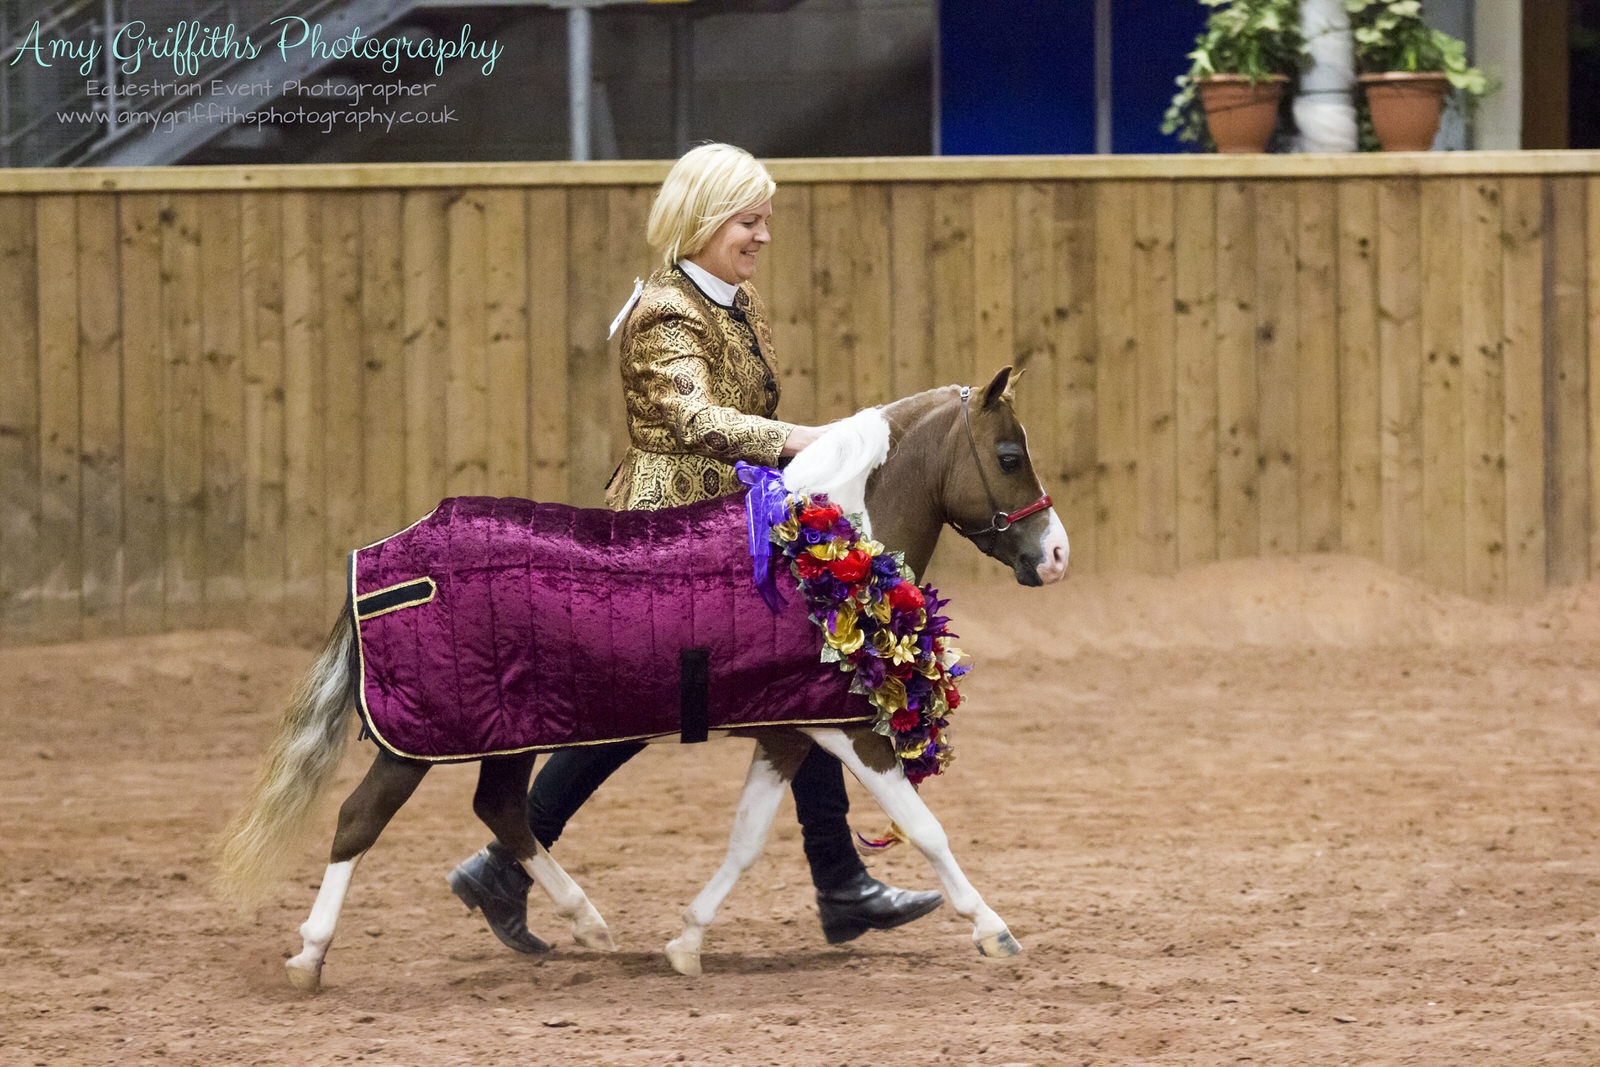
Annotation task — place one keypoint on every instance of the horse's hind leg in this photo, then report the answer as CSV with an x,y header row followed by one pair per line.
x,y
772,768
875,766
500,803
389,783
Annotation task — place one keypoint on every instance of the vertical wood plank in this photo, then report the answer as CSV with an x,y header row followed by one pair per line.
x,y
1316,302
466,389
1195,349
20,460
850,265
994,250
1567,382
788,292
183,422
506,295
911,360
1074,469
1483,389
951,268
1592,258
342,474
1360,422
60,385
869,280
1443,495
222,384
1400,352
1277,367
1155,376
382,363
547,343
261,338
1238,432
425,352
1116,381
831,226
1034,323
305,410
590,375
100,406
1522,237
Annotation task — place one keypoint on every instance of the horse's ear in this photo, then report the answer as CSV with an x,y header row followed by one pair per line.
x,y
1000,387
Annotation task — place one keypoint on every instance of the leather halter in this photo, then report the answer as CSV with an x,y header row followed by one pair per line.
x,y
999,521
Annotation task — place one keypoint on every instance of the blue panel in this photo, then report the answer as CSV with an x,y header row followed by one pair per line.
x,y
1149,42
1016,76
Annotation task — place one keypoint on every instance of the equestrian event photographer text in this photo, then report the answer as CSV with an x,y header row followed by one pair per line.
x,y
187,43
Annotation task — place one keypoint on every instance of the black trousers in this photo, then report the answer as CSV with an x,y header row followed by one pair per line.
x,y
570,777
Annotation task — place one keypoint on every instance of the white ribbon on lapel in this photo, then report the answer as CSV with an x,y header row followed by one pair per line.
x,y
638,287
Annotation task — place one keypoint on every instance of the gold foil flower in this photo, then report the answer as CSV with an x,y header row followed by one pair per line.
x,y
843,634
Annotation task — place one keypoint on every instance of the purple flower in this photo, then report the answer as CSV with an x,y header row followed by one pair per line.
x,y
871,671
812,537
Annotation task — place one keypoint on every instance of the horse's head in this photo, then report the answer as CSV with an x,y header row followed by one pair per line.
x,y
991,495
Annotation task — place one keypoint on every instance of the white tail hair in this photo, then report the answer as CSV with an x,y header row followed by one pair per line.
x,y
839,461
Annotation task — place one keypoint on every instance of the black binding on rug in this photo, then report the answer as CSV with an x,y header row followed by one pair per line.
x,y
694,690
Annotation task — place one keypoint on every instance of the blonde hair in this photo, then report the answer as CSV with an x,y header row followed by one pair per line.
x,y
708,186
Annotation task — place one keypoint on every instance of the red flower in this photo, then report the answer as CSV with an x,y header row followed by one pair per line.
x,y
952,696
905,597
810,566
820,518
853,567
901,721
902,670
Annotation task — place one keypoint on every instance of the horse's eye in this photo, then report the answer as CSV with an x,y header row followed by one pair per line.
x,y
1010,462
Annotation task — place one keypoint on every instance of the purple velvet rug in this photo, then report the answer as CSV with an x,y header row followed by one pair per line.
x,y
502,625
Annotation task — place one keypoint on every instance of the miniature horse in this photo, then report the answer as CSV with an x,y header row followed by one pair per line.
x,y
952,456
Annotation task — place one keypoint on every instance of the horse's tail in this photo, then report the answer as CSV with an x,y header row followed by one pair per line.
x,y
298,767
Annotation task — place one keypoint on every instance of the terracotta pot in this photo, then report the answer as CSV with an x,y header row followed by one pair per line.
x,y
1405,108
1241,116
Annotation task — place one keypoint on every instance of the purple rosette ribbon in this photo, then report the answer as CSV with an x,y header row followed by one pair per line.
x,y
766,503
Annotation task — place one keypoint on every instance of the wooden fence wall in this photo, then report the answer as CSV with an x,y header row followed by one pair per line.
x,y
215,382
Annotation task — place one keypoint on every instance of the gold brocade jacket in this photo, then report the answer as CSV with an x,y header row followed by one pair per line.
x,y
700,387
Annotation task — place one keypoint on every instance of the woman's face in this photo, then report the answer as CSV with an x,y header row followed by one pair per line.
x,y
731,252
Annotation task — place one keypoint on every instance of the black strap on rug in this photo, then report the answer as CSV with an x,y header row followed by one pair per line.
x,y
694,694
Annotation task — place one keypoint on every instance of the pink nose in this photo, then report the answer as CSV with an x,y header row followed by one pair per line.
x,y
1054,566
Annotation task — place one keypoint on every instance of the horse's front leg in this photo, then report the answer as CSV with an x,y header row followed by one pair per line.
x,y
869,757
772,768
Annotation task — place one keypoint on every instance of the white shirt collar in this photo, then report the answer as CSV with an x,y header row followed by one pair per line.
x,y
709,283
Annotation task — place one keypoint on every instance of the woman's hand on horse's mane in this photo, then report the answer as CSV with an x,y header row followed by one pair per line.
x,y
799,438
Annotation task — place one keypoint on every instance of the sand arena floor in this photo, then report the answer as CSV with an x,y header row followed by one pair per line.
x,y
1275,813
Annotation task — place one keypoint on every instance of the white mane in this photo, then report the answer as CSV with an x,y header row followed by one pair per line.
x,y
840,460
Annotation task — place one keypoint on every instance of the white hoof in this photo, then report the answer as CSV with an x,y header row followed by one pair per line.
x,y
591,931
304,976
683,960
999,946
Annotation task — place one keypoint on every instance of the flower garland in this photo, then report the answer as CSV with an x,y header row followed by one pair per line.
x,y
878,624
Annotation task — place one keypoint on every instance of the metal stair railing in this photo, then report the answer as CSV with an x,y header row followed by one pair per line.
x,y
149,144
83,19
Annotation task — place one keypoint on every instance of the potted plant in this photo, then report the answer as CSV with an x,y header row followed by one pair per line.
x,y
1406,68
1238,69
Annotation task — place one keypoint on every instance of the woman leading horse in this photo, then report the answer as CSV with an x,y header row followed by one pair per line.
x,y
701,390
